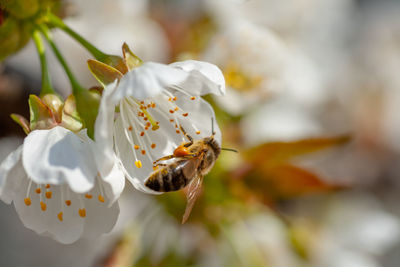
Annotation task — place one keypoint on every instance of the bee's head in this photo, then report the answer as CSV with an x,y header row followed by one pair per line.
x,y
210,141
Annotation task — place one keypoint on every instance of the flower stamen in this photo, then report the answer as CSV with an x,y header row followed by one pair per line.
x,y
43,206
28,201
82,212
138,164
101,195
48,194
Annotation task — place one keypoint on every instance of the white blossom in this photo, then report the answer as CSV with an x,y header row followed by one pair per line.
x,y
53,181
153,102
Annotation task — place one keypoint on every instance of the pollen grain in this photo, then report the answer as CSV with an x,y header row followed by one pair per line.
x,y
27,201
82,213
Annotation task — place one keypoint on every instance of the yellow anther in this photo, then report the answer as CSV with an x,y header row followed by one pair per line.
x,y
136,147
155,168
82,213
101,198
48,194
197,132
27,201
153,146
193,98
38,190
176,109
43,206
47,186
68,202
138,164
88,196
60,216
155,127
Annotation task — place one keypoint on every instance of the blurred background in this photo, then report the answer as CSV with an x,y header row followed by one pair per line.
x,y
312,105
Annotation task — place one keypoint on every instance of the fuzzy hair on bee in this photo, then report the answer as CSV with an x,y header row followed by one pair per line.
x,y
198,161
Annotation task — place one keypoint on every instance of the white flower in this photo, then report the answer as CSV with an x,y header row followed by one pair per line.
x,y
154,100
52,180
258,65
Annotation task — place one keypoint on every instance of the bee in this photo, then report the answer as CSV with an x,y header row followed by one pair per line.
x,y
193,160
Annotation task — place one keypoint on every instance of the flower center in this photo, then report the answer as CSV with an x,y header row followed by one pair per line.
x,y
239,80
139,118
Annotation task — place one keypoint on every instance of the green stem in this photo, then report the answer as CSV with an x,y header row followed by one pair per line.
x,y
46,83
76,87
57,22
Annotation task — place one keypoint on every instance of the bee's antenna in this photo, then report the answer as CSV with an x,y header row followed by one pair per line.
x,y
230,149
212,126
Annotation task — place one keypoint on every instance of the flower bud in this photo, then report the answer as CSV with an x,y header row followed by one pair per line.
x,y
70,116
55,104
41,116
21,9
14,36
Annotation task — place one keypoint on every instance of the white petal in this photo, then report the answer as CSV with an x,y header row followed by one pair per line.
x,y
46,222
205,78
148,80
114,182
104,131
59,156
11,175
100,217
135,175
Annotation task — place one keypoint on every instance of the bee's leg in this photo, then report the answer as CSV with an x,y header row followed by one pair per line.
x,y
160,164
188,137
164,158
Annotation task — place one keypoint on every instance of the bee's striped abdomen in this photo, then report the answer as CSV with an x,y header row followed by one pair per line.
x,y
170,178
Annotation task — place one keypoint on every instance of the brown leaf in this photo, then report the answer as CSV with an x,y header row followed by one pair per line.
x,y
281,182
276,153
290,181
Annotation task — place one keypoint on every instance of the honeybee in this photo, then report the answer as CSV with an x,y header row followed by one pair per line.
x,y
194,159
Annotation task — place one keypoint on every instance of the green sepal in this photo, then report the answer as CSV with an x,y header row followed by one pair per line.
x,y
131,60
41,117
70,117
22,121
103,73
87,104
115,62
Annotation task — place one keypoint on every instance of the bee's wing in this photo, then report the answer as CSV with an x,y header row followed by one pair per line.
x,y
192,191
